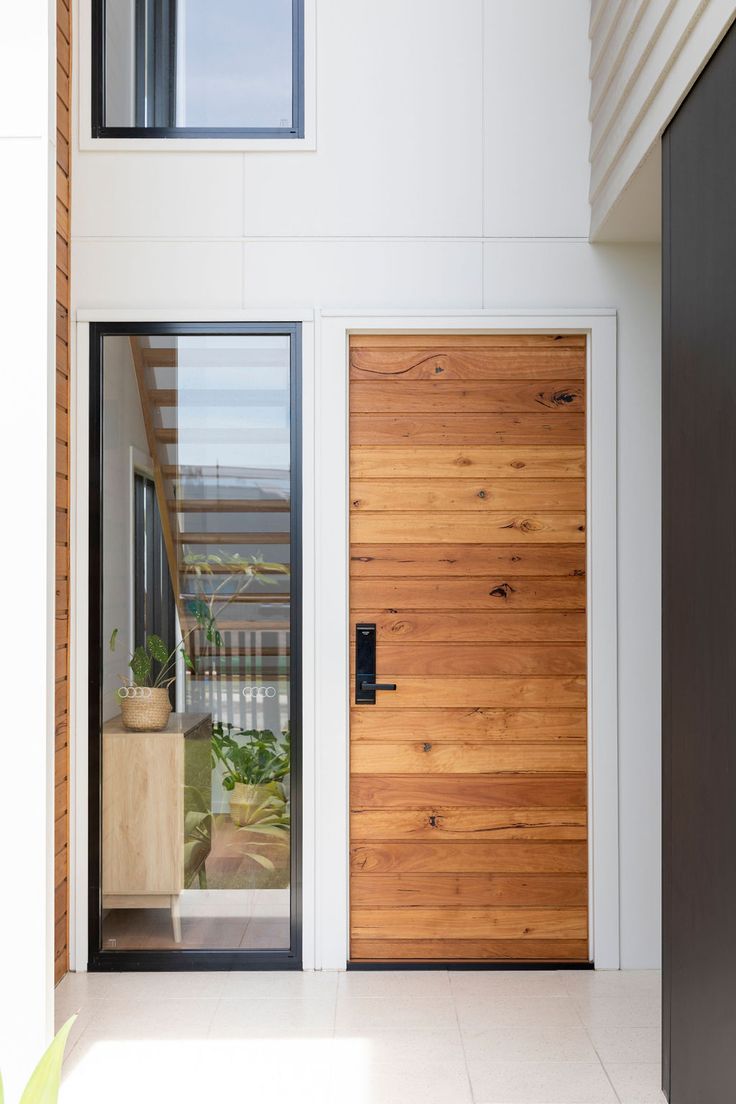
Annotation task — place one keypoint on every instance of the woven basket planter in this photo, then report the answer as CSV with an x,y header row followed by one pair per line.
x,y
144,709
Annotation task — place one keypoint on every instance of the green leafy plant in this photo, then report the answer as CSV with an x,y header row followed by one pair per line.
x,y
43,1087
250,756
239,573
141,661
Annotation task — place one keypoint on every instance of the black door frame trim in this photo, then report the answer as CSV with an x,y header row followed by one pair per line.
x,y
99,959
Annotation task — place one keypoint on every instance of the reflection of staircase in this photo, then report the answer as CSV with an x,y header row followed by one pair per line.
x,y
215,519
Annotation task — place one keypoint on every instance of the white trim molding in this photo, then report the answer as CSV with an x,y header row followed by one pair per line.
x,y
325,612
79,612
82,66
331,635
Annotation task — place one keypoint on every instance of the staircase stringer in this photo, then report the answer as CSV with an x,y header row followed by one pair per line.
x,y
158,479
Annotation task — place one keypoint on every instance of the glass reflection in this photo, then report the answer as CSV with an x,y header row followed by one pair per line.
x,y
196,812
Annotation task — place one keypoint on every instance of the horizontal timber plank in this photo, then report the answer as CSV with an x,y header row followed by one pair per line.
x,y
498,725
446,822
506,627
469,923
450,659
402,365
412,495
466,341
492,592
448,560
565,691
467,429
428,757
492,527
484,462
443,396
468,890
469,950
512,856
486,791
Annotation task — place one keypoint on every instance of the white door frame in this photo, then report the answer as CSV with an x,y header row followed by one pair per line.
x,y
325,612
331,635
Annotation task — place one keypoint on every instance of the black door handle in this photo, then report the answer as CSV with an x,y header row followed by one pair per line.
x,y
365,666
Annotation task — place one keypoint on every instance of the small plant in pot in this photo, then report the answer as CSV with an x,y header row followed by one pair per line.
x,y
255,765
144,697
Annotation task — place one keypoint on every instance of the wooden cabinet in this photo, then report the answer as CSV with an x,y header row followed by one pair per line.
x,y
156,820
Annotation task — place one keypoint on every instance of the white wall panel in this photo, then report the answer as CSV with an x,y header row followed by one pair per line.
x,y
536,126
157,273
389,274
158,195
399,102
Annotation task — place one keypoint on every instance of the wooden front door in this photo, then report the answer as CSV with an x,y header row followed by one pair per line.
x,y
468,782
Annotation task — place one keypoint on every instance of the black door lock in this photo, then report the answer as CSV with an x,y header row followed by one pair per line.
x,y
365,666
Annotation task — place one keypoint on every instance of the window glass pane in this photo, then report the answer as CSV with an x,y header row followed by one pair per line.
x,y
199,63
196,566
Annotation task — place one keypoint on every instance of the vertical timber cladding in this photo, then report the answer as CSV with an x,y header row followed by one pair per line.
x,y
468,783
61,754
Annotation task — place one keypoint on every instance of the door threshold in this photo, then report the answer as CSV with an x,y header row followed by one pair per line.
x,y
470,965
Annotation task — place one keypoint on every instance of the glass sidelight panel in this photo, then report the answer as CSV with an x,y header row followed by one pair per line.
x,y
194,713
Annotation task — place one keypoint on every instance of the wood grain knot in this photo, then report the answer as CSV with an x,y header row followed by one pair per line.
x,y
524,525
501,591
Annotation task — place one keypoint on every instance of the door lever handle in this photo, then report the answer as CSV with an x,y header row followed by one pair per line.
x,y
365,665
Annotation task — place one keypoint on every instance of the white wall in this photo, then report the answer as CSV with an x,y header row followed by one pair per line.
x,y
645,55
123,427
27,156
451,171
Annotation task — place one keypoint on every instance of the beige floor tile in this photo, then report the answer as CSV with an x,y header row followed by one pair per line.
x,y
611,983
477,1013
404,1067
541,1083
395,983
637,1083
281,983
358,1015
637,1010
149,1020
184,1071
545,1042
264,1018
510,983
183,985
626,1044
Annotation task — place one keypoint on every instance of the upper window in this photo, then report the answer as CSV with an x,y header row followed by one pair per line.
x,y
198,68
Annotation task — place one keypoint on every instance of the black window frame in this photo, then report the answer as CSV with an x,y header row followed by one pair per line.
x,y
162,80
99,959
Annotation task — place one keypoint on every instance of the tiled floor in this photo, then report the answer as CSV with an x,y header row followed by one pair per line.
x,y
430,1037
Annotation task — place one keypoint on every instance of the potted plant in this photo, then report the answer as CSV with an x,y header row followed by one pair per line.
x,y
144,698
255,765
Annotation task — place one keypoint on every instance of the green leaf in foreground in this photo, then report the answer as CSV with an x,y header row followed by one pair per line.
x,y
43,1087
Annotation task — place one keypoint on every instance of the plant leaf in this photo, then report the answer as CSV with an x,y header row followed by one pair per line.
x,y
113,642
43,1087
140,665
261,860
157,648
